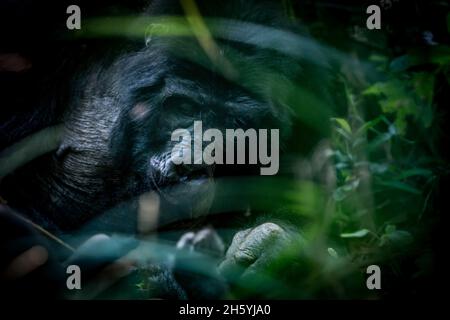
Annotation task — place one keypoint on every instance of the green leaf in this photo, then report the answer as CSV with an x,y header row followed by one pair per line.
x,y
368,125
344,134
395,97
390,228
344,124
402,63
397,238
332,253
351,185
378,58
357,234
140,285
400,186
379,140
375,89
414,172
378,168
340,194
343,191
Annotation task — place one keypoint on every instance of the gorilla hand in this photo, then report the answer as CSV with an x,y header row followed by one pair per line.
x,y
253,250
195,266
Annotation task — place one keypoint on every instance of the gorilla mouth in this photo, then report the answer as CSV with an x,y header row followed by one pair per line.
x,y
188,200
189,190
186,193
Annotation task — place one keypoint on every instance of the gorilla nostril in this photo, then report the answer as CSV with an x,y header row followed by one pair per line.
x,y
190,172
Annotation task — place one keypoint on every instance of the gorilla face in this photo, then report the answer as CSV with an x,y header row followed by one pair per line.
x,y
120,116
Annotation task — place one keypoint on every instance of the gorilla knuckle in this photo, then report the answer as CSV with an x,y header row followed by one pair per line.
x,y
244,254
271,229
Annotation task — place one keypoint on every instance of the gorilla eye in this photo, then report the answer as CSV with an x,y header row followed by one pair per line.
x,y
184,108
180,106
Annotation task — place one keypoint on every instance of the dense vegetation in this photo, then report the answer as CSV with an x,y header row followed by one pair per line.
x,y
363,175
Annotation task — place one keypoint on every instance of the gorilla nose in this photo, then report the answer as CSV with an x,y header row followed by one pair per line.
x,y
194,171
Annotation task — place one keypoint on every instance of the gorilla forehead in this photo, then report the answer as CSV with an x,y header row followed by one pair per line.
x,y
162,82
159,72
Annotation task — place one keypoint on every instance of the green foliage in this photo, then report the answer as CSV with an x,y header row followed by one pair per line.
x,y
362,196
375,206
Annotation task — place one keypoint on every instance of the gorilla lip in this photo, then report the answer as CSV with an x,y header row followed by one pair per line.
x,y
191,188
189,199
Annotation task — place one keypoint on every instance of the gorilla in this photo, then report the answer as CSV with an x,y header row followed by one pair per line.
x,y
111,108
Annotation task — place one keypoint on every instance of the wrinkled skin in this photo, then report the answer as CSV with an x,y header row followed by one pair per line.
x,y
252,250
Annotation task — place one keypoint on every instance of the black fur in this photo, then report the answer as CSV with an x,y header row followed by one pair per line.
x,y
108,151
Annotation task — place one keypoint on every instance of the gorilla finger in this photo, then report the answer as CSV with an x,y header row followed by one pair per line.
x,y
186,241
207,240
247,246
236,242
258,241
261,267
230,269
